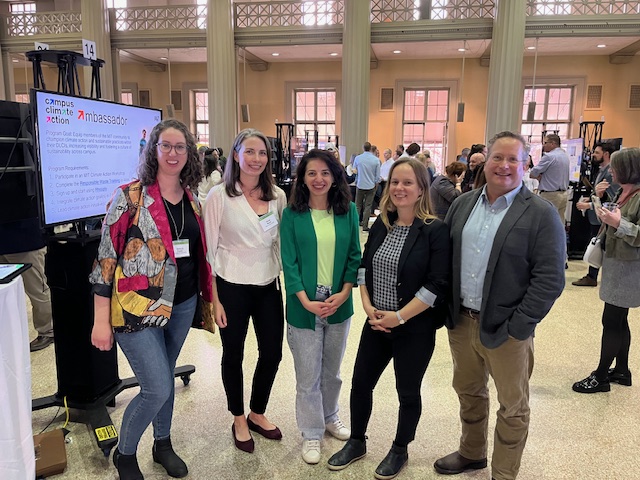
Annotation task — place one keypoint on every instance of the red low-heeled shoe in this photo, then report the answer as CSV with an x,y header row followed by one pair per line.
x,y
274,434
244,445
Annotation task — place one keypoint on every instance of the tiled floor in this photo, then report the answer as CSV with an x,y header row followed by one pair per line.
x,y
572,436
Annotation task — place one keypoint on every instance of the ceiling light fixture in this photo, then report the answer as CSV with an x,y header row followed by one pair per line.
x,y
462,49
275,54
334,54
397,52
531,48
163,58
602,45
15,60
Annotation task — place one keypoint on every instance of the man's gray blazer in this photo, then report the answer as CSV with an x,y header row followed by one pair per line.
x,y
525,273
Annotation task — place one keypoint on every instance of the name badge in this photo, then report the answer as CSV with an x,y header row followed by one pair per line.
x,y
268,221
181,248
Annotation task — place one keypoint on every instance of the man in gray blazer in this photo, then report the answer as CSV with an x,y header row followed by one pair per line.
x,y
508,270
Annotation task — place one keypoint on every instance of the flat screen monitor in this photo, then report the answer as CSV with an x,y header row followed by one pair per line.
x,y
85,148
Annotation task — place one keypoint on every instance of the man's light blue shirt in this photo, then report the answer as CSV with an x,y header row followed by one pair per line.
x,y
477,242
368,167
554,167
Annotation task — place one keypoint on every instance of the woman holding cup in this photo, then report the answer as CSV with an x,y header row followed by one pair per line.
x,y
620,274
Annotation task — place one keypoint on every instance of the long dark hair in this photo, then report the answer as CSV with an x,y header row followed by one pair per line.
x,y
231,174
191,173
339,196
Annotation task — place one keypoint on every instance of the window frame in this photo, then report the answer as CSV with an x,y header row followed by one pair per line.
x,y
315,121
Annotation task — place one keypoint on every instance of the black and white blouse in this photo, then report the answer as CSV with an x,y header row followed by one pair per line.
x,y
385,268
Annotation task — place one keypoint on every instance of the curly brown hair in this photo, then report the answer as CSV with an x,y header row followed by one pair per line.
x,y
191,173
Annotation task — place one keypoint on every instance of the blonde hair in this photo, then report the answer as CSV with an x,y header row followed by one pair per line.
x,y
422,208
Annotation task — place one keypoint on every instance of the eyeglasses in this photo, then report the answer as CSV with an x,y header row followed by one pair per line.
x,y
180,148
510,160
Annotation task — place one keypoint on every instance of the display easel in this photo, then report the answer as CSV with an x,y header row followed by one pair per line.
x,y
87,378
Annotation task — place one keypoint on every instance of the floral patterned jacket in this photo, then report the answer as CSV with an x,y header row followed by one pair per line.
x,y
136,266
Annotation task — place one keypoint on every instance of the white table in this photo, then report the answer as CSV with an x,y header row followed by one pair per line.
x,y
17,458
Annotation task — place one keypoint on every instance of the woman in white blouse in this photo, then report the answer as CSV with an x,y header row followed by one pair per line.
x,y
241,225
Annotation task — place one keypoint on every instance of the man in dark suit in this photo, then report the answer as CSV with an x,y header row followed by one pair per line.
x,y
508,269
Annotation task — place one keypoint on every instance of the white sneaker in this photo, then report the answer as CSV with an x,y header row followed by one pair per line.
x,y
338,430
311,451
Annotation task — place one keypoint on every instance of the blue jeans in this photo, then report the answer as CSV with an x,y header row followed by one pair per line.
x,y
152,354
317,355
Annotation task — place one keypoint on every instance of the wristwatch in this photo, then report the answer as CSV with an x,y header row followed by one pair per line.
x,y
401,320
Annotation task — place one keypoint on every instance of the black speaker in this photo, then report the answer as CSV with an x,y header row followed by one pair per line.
x,y
84,372
246,116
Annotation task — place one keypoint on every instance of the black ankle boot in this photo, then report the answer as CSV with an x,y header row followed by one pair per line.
x,y
395,460
353,450
164,455
127,466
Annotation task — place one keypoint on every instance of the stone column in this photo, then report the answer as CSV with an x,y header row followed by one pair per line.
x,y
221,75
95,27
356,44
116,74
7,81
504,103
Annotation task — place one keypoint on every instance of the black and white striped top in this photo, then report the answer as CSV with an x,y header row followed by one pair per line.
x,y
385,268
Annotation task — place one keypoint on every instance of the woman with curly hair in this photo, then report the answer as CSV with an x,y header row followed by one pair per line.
x,y
151,268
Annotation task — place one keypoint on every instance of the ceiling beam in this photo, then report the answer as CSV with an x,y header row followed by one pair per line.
x,y
485,58
373,60
150,65
255,63
625,55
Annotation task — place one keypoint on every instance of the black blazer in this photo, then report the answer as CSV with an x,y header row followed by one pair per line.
x,y
425,261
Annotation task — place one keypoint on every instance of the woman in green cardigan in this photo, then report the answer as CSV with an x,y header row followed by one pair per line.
x,y
320,257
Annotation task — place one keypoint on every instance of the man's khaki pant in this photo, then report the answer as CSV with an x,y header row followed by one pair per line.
x,y
559,200
510,365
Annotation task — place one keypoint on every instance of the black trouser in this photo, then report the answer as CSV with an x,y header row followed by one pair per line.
x,y
616,340
264,305
411,349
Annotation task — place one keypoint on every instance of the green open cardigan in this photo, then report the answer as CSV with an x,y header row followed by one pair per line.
x,y
300,262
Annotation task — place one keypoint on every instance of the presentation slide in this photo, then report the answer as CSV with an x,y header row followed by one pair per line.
x,y
86,149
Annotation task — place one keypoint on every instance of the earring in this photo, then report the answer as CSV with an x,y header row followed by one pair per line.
x,y
334,185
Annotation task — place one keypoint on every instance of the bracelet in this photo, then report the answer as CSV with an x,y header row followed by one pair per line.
x,y
401,320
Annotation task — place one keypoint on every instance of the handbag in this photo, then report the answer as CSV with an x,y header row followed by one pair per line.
x,y
594,253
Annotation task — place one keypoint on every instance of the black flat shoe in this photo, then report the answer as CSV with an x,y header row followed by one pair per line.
x,y
619,377
163,454
591,384
395,461
244,445
352,451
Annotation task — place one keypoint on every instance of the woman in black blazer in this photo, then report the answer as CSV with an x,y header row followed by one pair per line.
x,y
405,273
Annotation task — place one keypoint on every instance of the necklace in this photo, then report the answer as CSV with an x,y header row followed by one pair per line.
x,y
173,219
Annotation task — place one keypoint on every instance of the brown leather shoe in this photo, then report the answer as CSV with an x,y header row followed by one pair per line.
x,y
274,434
455,463
40,342
585,281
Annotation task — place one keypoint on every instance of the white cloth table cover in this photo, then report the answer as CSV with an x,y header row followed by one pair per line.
x,y
17,457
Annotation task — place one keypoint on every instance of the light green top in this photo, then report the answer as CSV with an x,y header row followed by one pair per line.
x,y
326,238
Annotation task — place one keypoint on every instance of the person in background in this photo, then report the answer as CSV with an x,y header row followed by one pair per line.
x,y
222,160
446,188
478,148
464,156
480,179
411,151
475,160
23,241
530,183
212,174
331,147
620,274
606,189
320,259
242,216
404,274
508,271
399,151
553,174
367,167
425,159
387,162
150,269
